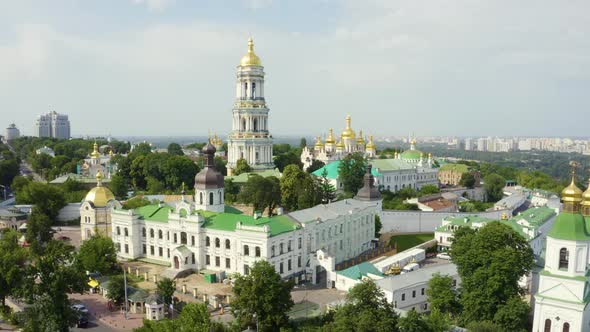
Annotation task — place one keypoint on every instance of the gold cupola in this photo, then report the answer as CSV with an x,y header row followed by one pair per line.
x,y
95,154
99,196
586,201
318,143
370,145
360,140
571,196
330,140
340,145
348,133
250,58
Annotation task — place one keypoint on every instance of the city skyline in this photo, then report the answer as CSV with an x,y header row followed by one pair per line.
x,y
497,68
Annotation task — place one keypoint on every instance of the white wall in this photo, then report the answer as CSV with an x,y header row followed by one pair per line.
x,y
423,221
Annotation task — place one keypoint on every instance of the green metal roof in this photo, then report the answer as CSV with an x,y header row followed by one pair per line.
x,y
243,178
228,221
411,154
360,270
225,221
570,226
332,170
461,168
384,165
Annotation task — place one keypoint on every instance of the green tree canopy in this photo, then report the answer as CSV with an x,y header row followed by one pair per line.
x,y
241,167
442,295
261,296
366,310
351,172
116,289
12,264
327,191
494,187
118,186
315,165
467,180
490,262
175,149
513,315
166,288
47,199
261,192
413,322
298,189
98,254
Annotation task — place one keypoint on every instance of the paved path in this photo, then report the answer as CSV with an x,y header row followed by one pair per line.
x,y
115,321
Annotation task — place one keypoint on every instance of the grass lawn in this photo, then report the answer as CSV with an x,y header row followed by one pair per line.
x,y
407,241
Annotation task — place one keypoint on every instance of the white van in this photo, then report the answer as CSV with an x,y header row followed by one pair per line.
x,y
410,267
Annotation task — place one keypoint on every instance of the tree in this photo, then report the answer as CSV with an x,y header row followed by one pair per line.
x,y
38,231
413,322
166,288
118,186
262,297
302,143
141,149
351,172
220,165
366,309
175,149
315,165
428,189
47,198
513,316
467,180
442,295
378,226
261,192
18,183
298,189
438,322
193,317
154,186
231,190
289,158
9,169
98,254
326,189
116,289
490,262
484,326
242,167
52,276
494,187
12,261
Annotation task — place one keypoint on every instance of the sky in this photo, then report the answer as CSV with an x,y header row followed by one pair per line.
x,y
431,67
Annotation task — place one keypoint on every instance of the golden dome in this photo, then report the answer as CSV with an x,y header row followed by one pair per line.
x,y
360,140
371,145
340,144
318,143
99,195
571,193
250,58
348,132
586,196
95,154
330,140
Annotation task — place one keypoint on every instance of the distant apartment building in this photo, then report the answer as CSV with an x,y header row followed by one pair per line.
x,y
52,125
468,144
12,132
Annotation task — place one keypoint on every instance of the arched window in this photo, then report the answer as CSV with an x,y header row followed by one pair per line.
x,y
257,252
253,94
118,231
217,242
207,242
152,233
547,327
183,238
220,198
125,231
246,88
566,327
563,258
243,124
160,234
210,198
201,198
227,244
143,232
246,250
255,125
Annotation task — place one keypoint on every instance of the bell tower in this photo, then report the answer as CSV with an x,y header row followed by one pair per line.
x,y
250,138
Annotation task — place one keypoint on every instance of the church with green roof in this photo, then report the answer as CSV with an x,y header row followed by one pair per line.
x,y
563,293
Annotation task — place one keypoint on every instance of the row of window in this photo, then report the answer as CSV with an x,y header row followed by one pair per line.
x,y
547,327
282,247
183,236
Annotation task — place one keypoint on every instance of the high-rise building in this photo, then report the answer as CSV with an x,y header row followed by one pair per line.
x,y
250,138
468,144
52,125
12,132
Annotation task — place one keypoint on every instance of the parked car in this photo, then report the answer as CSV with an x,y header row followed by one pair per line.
x,y
82,314
443,256
410,267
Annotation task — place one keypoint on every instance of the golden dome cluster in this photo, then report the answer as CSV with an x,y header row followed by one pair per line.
x,y
95,154
250,58
348,132
573,198
216,141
